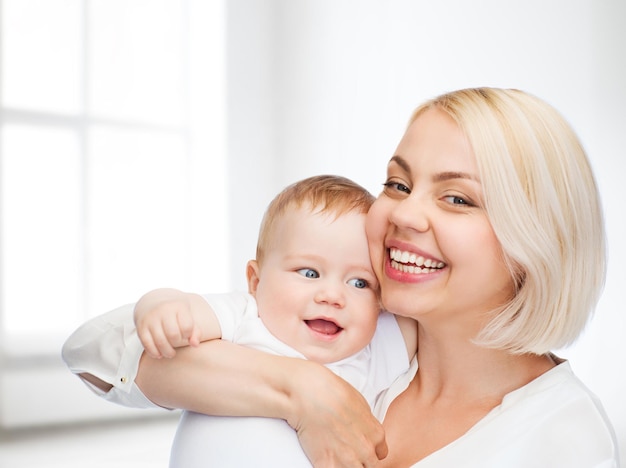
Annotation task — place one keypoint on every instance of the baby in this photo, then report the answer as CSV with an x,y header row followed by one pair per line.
x,y
312,294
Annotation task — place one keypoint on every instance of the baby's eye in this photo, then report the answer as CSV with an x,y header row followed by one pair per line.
x,y
359,283
396,186
308,272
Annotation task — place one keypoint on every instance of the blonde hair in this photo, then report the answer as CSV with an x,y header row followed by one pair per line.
x,y
543,204
322,194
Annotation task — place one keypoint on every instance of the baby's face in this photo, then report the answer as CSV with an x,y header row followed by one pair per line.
x,y
317,291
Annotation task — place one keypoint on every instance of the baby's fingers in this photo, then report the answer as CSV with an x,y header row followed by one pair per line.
x,y
145,336
194,338
188,331
165,337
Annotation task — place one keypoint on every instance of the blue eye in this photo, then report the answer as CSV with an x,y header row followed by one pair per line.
x,y
396,186
358,283
308,273
456,200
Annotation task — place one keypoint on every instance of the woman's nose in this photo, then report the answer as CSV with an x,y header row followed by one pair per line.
x,y
411,213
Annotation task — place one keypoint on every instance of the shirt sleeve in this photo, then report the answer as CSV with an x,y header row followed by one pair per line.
x,y
109,348
231,309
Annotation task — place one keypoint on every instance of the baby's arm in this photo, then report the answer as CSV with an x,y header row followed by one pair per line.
x,y
105,351
408,327
167,319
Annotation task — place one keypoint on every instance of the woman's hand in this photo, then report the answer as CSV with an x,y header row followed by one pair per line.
x,y
334,422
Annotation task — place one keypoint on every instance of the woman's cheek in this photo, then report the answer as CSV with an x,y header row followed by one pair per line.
x,y
374,222
375,228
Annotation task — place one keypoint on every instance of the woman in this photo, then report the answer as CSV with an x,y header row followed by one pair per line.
x,y
489,233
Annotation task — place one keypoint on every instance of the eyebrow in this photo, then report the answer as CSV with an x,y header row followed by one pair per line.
x,y
399,160
450,175
440,177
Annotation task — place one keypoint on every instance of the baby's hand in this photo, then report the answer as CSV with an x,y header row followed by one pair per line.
x,y
165,320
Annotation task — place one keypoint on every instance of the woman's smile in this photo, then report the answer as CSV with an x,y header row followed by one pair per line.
x,y
413,263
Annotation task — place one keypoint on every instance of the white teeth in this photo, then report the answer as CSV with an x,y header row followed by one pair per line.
x,y
408,262
411,269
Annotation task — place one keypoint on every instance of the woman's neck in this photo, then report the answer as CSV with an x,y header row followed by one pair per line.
x,y
454,367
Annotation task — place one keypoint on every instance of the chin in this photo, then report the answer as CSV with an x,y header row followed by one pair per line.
x,y
396,302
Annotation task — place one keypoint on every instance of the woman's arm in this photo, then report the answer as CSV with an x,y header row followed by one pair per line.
x,y
333,421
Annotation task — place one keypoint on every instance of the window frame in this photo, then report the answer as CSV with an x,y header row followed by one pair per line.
x,y
202,131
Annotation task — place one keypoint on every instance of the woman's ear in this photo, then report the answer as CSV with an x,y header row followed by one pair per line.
x,y
252,274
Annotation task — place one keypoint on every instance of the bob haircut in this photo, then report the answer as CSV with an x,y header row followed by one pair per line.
x,y
543,204
321,194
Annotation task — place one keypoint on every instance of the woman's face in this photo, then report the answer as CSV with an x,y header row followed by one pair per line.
x,y
431,243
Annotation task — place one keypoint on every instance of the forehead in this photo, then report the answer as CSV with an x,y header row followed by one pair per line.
x,y
305,238
436,139
301,229
306,217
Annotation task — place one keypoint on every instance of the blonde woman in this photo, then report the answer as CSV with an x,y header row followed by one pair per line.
x,y
489,233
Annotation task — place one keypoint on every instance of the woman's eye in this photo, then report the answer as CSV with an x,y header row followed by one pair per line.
x,y
358,283
456,200
308,273
396,186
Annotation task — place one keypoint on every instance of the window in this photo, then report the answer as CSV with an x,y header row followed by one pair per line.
x,y
111,159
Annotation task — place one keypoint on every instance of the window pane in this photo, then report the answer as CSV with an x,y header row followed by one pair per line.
x,y
136,60
138,204
41,206
41,53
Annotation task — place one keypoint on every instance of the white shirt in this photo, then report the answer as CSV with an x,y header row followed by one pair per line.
x,y
108,347
552,422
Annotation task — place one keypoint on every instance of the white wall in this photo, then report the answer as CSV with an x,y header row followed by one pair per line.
x,y
321,86
251,136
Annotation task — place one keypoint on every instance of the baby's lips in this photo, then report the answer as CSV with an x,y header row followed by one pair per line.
x,y
325,327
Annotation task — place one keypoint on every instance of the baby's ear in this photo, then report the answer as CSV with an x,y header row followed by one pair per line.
x,y
252,274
